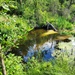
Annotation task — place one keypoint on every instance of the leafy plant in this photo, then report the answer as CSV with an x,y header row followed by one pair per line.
x,y
14,65
59,66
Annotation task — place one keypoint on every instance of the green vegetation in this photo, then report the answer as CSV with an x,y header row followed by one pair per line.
x,y
18,17
59,66
14,65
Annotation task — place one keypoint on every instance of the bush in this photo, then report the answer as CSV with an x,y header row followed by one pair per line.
x,y
63,24
59,66
14,65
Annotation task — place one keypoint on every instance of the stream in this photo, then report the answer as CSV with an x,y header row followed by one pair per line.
x,y
43,44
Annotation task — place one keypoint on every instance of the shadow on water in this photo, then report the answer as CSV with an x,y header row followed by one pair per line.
x,y
39,41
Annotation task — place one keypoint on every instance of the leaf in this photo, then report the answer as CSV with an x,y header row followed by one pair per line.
x,y
6,7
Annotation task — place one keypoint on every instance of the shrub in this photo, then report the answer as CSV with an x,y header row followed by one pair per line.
x,y
14,65
59,66
62,23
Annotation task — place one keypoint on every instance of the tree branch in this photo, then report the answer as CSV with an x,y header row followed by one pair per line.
x,y
2,62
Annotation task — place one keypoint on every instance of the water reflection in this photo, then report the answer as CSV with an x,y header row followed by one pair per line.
x,y
46,51
35,45
41,47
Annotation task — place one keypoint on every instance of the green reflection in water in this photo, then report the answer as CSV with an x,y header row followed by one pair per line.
x,y
34,37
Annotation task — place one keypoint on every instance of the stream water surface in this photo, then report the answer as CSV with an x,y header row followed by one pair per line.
x,y
40,41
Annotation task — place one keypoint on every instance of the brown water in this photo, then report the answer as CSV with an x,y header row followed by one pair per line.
x,y
36,39
39,40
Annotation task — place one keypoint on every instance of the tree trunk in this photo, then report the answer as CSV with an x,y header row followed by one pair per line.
x,y
21,2
2,62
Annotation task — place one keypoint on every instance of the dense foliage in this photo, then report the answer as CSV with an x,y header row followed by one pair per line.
x,y
59,66
18,17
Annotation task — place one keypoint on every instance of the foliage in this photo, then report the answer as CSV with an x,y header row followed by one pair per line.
x,y
61,65
58,66
14,65
12,29
62,24
0,70
18,17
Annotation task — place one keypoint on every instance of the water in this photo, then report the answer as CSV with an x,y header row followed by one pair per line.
x,y
46,50
68,47
39,42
